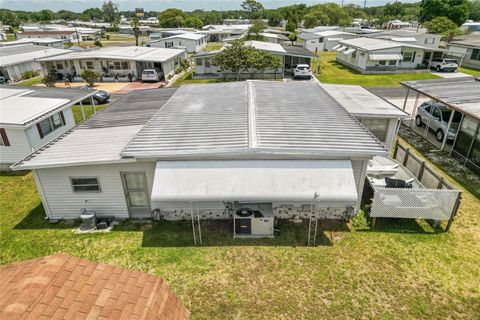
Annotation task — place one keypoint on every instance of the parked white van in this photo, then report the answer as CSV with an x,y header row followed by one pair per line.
x,y
150,75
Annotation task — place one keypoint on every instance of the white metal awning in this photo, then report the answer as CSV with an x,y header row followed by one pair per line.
x,y
254,180
385,56
349,51
336,47
342,48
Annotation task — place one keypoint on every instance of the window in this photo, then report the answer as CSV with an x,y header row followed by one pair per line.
x,y
378,127
199,62
125,65
207,63
382,62
409,56
168,44
320,40
89,64
4,138
88,184
119,65
475,55
50,124
429,41
354,54
59,66
392,62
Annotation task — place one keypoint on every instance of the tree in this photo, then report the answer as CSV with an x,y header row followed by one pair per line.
x,y
262,61
92,14
9,18
110,11
253,8
291,26
474,10
46,15
135,23
355,11
254,32
329,14
442,25
292,37
90,77
67,15
233,58
49,80
172,18
275,17
193,22
455,10
395,10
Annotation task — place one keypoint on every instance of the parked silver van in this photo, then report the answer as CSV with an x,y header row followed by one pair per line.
x,y
436,116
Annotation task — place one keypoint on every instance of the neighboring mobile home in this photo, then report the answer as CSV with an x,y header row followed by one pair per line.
x,y
116,60
192,42
18,59
157,153
31,117
45,42
367,55
289,56
324,40
467,46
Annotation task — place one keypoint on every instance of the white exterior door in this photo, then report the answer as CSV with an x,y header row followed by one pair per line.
x,y
136,194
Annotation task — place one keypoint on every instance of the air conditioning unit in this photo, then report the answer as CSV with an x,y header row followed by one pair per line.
x,y
253,221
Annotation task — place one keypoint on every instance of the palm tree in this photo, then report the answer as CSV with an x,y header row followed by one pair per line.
x,y
136,29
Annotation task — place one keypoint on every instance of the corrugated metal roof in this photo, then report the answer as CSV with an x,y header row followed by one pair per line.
x,y
254,117
198,118
131,53
254,180
462,94
369,44
266,46
26,52
361,102
187,35
298,51
101,138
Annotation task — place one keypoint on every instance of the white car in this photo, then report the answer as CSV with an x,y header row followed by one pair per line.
x,y
444,65
301,71
150,75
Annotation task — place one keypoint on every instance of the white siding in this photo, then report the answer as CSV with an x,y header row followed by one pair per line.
x,y
190,44
62,202
34,137
18,148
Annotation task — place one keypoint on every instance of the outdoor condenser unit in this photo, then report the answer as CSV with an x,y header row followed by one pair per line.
x,y
253,221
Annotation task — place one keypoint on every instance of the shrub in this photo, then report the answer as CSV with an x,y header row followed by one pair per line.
x,y
28,74
108,37
90,77
49,80
98,43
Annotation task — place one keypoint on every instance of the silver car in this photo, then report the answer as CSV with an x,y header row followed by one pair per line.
x,y
436,117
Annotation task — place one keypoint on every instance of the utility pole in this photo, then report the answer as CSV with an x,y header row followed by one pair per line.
x,y
364,4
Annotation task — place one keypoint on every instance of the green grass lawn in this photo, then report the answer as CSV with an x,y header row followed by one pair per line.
x,y
212,46
333,72
30,82
402,270
188,79
470,71
77,112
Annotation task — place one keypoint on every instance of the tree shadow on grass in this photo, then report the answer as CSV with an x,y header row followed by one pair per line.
x,y
220,233
410,226
14,173
35,219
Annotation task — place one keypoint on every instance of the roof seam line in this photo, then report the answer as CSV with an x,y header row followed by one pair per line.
x,y
252,120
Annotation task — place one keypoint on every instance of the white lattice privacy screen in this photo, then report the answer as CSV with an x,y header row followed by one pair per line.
x,y
414,203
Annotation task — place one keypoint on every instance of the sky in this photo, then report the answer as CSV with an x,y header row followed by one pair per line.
x,y
159,5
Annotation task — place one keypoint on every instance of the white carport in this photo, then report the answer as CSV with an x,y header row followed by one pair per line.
x,y
254,180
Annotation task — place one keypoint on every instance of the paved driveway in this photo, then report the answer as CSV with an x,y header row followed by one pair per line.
x,y
449,75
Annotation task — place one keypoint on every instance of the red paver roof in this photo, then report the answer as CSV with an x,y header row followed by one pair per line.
x,y
64,287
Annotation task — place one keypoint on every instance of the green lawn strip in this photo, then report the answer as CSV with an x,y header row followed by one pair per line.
x,y
469,71
187,78
77,112
30,82
334,72
212,46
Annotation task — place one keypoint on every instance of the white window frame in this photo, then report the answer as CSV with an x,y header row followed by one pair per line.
x,y
85,184
50,124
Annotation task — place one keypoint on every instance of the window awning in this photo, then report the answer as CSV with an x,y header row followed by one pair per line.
x,y
336,47
342,48
349,51
385,56
254,180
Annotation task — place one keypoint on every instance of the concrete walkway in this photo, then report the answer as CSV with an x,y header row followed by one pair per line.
x,y
450,75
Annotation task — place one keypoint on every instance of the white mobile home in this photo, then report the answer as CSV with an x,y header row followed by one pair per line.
x,y
367,55
157,153
289,56
18,59
192,42
116,60
468,47
31,117
45,42
324,40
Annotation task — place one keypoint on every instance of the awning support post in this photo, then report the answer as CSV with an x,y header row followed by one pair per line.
x,y
83,110
197,232
92,101
448,130
406,99
313,221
